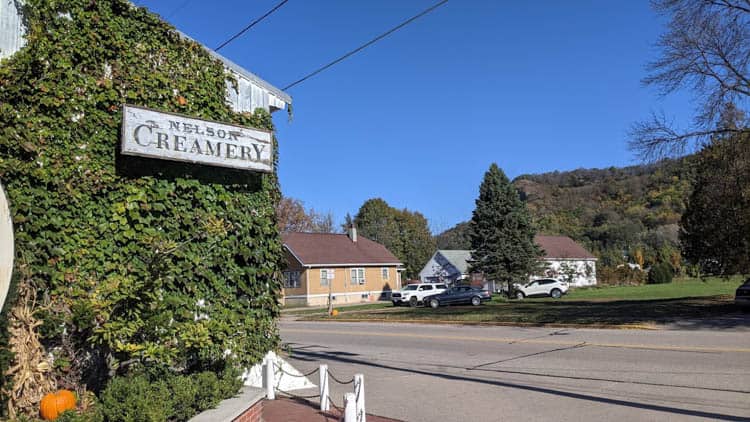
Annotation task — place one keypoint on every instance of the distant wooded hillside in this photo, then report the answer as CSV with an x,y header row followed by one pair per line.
x,y
619,214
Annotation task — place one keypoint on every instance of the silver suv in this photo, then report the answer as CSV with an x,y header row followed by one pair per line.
x,y
413,294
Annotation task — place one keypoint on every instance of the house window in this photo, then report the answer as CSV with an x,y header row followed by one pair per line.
x,y
291,279
324,277
358,276
384,273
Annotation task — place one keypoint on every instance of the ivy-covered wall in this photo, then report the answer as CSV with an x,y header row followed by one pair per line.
x,y
131,260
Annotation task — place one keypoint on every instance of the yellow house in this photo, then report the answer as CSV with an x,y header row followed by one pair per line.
x,y
351,269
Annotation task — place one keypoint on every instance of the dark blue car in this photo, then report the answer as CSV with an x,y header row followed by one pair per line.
x,y
458,295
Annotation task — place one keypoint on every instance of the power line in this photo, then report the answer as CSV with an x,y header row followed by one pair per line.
x,y
178,8
245,29
367,44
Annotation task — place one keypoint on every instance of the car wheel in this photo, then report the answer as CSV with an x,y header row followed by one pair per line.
x,y
520,295
395,303
434,303
413,301
556,293
476,301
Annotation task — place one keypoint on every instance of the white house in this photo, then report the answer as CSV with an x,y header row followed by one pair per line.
x,y
446,266
565,259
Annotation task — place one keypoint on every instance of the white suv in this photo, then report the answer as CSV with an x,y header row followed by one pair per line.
x,y
542,287
413,294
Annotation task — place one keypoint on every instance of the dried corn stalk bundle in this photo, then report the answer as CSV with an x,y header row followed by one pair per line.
x,y
31,369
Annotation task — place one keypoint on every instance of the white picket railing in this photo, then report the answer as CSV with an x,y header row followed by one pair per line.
x,y
354,403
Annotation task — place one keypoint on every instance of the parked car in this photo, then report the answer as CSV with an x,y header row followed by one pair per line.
x,y
742,295
458,295
542,287
413,294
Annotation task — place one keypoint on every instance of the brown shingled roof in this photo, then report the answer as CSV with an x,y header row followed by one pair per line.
x,y
561,247
336,249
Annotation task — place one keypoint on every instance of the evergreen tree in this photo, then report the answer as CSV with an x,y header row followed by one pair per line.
x,y
502,234
715,228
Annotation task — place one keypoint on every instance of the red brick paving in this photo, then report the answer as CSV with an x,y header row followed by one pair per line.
x,y
253,414
297,410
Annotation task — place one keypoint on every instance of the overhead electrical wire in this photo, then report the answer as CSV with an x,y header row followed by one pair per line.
x,y
178,8
367,44
253,23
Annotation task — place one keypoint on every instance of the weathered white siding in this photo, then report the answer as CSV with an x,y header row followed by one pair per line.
x,y
12,30
431,269
581,278
439,269
250,92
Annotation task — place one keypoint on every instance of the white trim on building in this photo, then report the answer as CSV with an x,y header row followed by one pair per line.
x,y
250,92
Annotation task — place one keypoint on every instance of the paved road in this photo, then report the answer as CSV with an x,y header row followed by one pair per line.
x,y
461,373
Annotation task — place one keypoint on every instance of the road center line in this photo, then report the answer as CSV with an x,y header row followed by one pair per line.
x,y
521,340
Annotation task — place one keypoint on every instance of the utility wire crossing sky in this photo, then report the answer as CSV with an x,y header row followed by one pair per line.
x,y
365,45
252,24
534,86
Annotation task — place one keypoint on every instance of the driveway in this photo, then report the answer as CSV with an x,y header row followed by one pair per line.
x,y
419,372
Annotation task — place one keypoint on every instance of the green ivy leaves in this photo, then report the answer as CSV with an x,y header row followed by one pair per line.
x,y
160,262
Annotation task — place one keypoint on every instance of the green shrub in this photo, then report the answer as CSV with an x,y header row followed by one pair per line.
x,y
213,389
94,415
136,399
660,273
184,394
167,397
621,276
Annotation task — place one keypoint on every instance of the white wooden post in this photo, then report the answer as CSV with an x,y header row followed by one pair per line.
x,y
359,394
325,405
268,378
350,408
6,240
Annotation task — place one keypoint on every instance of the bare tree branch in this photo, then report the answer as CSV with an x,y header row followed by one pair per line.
x,y
657,138
729,4
292,216
707,50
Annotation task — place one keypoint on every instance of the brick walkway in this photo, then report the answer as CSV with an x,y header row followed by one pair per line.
x,y
297,410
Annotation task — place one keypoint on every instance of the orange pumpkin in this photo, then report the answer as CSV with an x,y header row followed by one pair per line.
x,y
335,312
53,404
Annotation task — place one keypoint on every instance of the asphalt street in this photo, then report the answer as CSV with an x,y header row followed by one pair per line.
x,y
417,372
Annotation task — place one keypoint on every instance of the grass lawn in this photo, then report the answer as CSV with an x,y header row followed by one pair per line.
x,y
346,308
605,306
680,288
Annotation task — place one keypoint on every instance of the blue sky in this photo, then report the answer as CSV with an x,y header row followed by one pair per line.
x,y
417,118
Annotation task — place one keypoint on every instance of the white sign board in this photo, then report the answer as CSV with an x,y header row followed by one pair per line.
x,y
168,136
6,247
